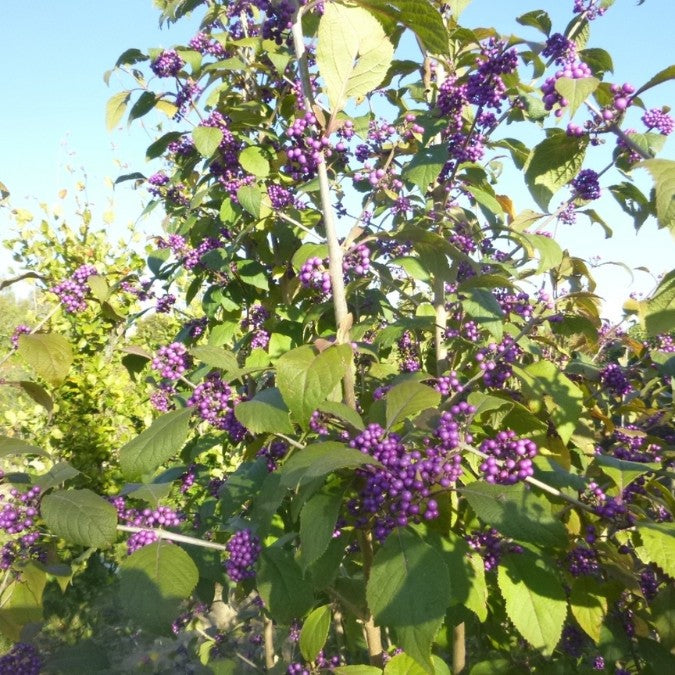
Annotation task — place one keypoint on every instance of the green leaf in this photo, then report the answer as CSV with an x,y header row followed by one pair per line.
x,y
154,446
254,201
403,664
663,613
115,108
15,446
409,590
48,354
314,632
660,77
418,15
84,657
99,287
153,582
319,460
343,412
407,399
21,602
663,173
216,357
535,600
207,140
543,379
657,313
38,393
242,484
552,164
80,517
517,513
282,586
588,607
484,309
425,166
58,474
145,103
353,53
254,161
306,378
538,19
622,471
658,545
159,147
576,91
599,61
266,412
357,670
317,524
254,274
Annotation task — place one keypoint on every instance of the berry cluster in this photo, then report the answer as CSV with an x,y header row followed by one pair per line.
x,y
509,458
634,448
591,9
203,44
160,399
660,120
495,361
253,321
72,292
561,49
614,380
409,361
214,402
514,303
583,561
22,659
273,452
165,303
607,507
17,519
21,329
243,549
172,361
401,492
586,185
356,261
161,516
196,327
314,274
307,148
449,384
167,64
280,197
491,546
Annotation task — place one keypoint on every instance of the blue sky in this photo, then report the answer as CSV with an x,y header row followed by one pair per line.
x,y
55,53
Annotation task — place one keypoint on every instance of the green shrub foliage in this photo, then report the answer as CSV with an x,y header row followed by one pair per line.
x,y
391,431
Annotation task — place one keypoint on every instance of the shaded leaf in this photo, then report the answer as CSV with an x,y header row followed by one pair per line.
x,y
154,446
49,355
80,517
282,586
266,412
154,580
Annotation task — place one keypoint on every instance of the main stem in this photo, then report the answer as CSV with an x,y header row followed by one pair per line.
x,y
337,283
373,634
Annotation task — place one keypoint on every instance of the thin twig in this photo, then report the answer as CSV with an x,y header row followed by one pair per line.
x,y
174,536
